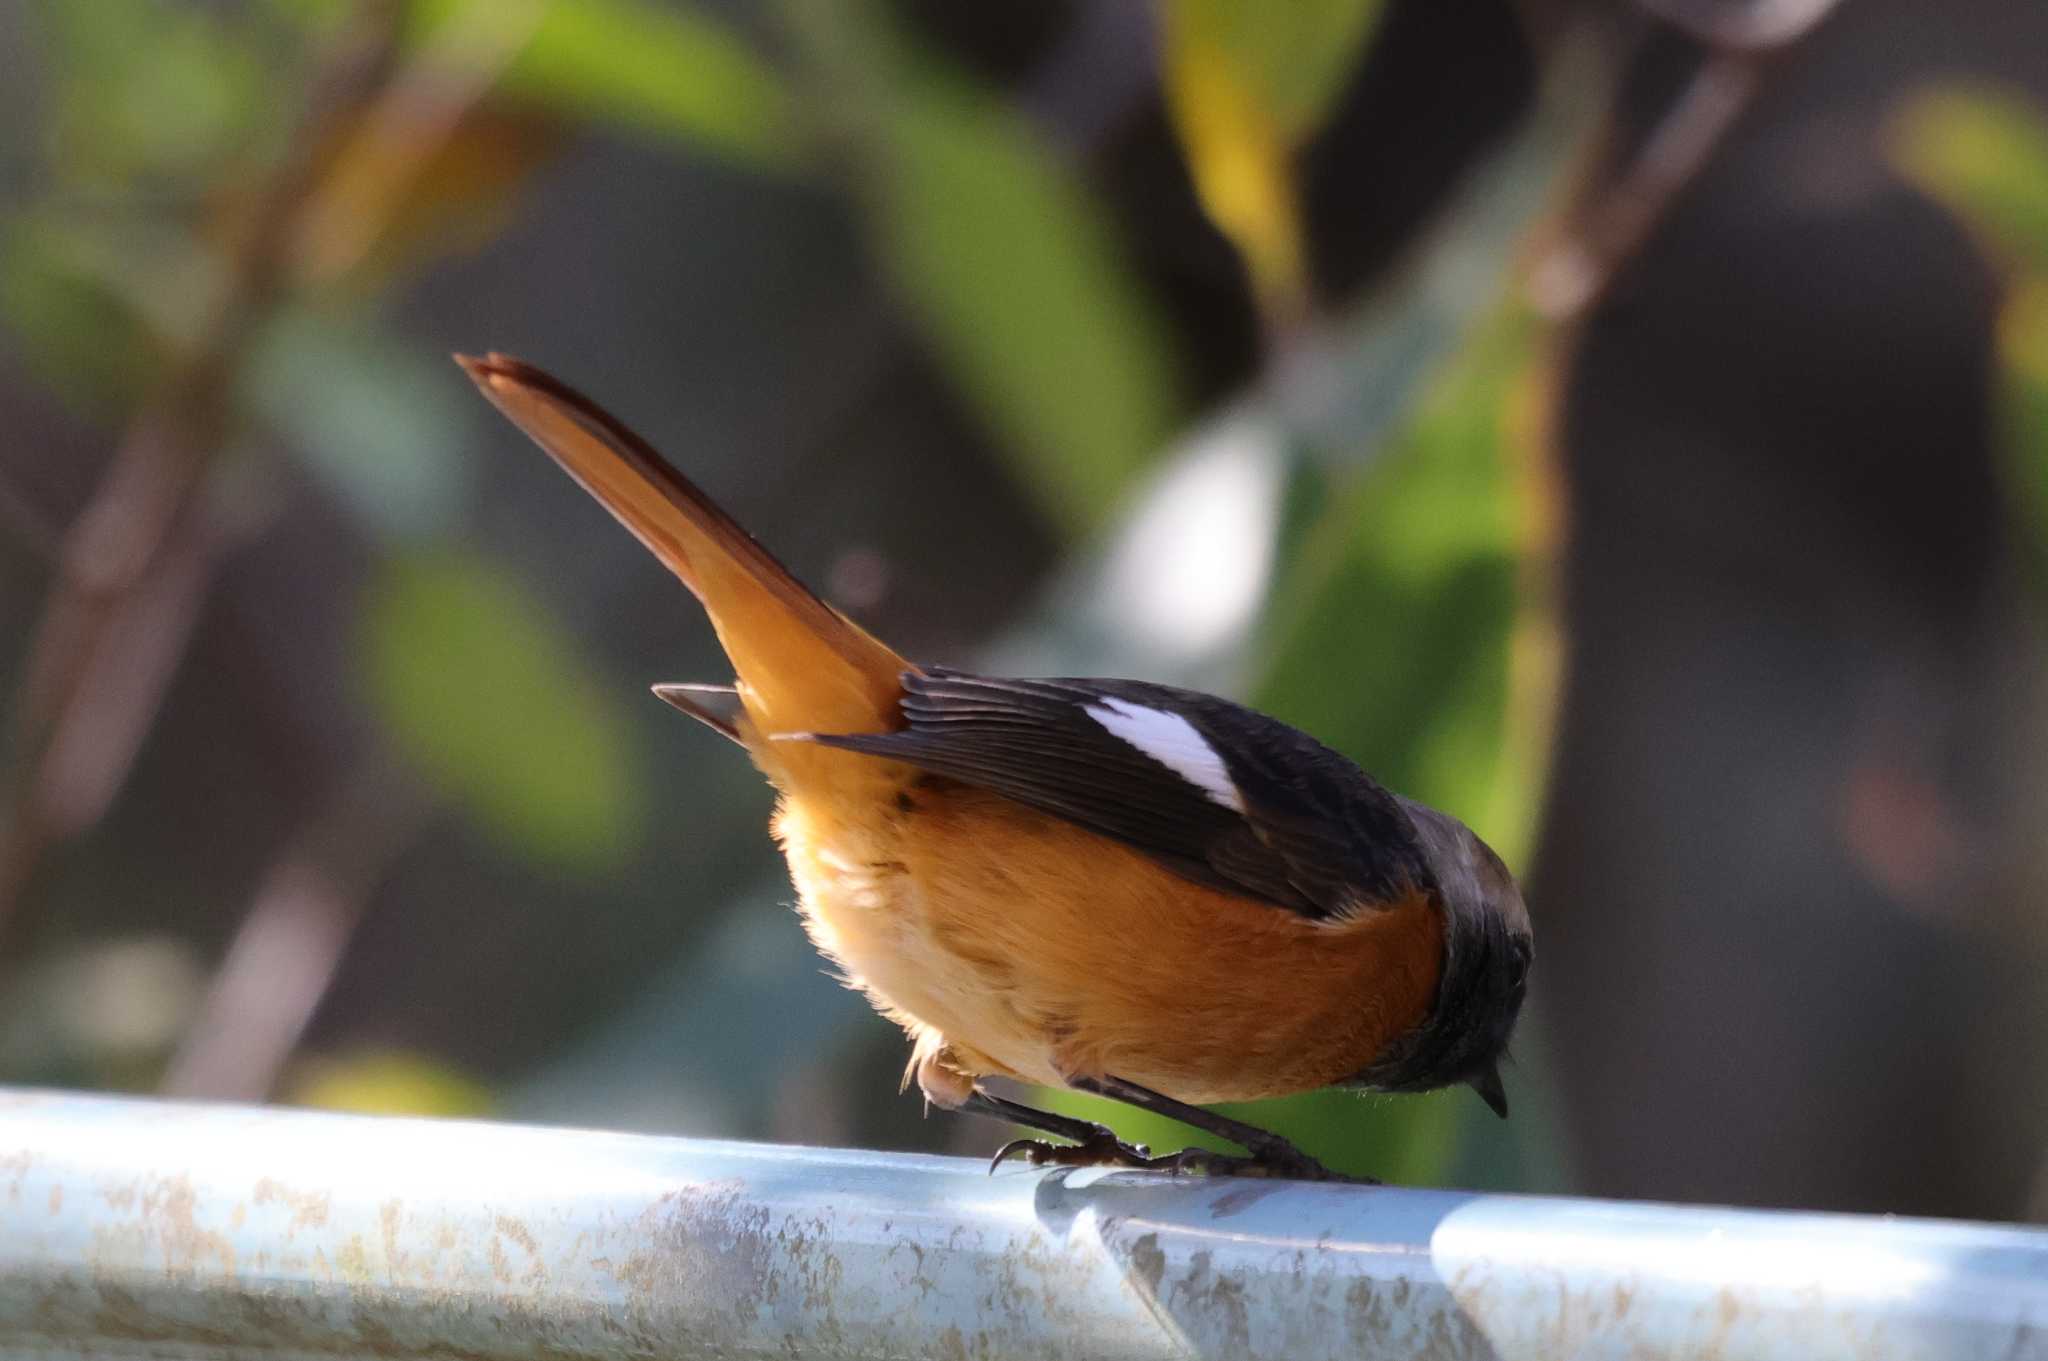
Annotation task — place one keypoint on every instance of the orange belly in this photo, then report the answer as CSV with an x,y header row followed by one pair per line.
x,y
1041,951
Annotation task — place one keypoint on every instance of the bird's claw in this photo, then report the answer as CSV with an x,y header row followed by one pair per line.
x,y
1100,1149
1104,1149
1289,1164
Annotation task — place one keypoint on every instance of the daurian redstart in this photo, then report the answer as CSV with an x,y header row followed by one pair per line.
x,y
1127,889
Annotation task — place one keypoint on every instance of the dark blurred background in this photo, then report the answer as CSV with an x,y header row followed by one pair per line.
x,y
1624,424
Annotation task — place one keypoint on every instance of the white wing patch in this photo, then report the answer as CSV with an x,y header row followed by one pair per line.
x,y
1173,742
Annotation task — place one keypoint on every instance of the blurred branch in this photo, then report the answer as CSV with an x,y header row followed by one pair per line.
x,y
25,521
1754,26
134,569
391,146
1613,226
284,956
143,541
1624,209
114,698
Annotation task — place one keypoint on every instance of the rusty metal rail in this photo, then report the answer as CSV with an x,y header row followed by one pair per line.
x,y
137,1228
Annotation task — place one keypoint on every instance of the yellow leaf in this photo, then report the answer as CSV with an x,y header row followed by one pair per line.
x,y
1247,83
491,699
1983,154
2023,345
1238,154
2023,329
388,1082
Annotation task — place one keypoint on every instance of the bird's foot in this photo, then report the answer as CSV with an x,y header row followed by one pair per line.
x,y
1103,1149
1282,1164
1100,1148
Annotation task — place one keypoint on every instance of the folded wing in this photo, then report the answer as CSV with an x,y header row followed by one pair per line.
x,y
1220,794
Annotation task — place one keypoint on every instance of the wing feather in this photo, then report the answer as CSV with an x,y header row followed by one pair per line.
x,y
1314,834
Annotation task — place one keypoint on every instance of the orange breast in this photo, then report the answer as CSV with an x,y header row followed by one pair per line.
x,y
1048,952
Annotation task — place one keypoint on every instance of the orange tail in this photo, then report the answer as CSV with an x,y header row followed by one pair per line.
x,y
802,666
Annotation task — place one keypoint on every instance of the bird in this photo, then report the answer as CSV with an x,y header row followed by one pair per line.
x,y
1111,886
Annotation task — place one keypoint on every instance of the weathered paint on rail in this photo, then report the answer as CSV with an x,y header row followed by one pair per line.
x,y
140,1228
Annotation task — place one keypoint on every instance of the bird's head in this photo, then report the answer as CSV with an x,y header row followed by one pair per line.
x,y
1488,947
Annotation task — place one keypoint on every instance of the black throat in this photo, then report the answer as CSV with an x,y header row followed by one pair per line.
x,y
1477,1000
1485,970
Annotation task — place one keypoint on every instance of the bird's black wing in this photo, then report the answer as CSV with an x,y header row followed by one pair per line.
x,y
1217,793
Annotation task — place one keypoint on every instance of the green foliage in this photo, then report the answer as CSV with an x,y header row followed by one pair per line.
x,y
1984,154
1009,267
145,102
150,90
1247,83
77,332
664,70
382,425
2024,336
494,704
1294,58
668,70
1404,587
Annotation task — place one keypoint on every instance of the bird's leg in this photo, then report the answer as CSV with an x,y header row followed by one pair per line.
x,y
1270,1155
1093,1145
943,1073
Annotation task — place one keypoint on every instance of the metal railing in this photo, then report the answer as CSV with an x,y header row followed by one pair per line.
x,y
143,1228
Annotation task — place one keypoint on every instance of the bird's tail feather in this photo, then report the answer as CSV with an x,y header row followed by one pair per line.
x,y
802,666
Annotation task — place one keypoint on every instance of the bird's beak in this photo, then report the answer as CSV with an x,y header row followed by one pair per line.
x,y
1487,1084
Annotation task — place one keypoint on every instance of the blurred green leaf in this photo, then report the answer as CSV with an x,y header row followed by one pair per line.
x,y
314,18
1295,59
669,70
2023,340
1008,265
77,333
381,425
1983,153
143,88
2023,345
484,692
1392,630
1014,278
1246,84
